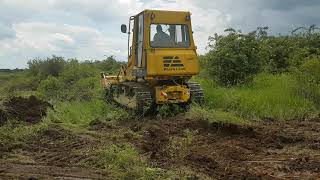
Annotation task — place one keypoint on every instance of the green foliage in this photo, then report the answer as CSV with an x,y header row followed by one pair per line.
x,y
216,116
308,77
268,96
49,67
13,133
125,162
50,88
235,58
13,83
169,110
109,65
78,81
70,80
78,114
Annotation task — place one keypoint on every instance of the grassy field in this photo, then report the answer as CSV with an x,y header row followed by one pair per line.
x,y
83,130
266,97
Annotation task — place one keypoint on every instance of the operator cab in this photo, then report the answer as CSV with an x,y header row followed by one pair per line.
x,y
161,45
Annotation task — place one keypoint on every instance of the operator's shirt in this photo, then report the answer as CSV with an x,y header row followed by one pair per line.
x,y
162,39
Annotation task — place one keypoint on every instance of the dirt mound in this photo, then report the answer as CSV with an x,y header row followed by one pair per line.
x,y
29,109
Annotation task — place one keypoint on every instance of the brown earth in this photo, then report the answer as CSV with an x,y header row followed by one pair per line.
x,y
190,147
54,153
29,109
286,150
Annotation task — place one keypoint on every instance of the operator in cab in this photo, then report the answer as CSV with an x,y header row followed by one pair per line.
x,y
162,39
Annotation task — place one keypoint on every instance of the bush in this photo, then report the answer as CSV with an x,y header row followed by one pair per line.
x,y
309,80
109,65
51,88
233,59
78,81
49,67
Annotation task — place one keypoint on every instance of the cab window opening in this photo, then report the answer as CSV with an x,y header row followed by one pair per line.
x,y
169,36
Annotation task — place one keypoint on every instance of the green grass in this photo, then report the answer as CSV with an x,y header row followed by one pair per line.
x,y
16,132
215,115
80,114
124,162
268,96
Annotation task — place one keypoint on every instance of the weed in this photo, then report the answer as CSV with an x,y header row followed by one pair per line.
x,y
13,132
178,147
79,114
268,96
169,110
124,161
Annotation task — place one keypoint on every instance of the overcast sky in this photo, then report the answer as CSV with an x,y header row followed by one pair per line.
x,y
90,29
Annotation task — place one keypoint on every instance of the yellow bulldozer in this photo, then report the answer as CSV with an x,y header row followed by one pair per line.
x,y
162,58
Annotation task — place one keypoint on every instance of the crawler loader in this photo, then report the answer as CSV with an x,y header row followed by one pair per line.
x,y
162,58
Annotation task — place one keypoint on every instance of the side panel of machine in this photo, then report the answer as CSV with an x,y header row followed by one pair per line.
x,y
168,62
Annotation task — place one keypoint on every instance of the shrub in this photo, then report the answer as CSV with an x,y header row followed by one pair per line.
x,y
109,65
309,80
51,88
233,58
49,67
78,81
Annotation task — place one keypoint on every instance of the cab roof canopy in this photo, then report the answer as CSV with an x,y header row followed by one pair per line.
x,y
167,17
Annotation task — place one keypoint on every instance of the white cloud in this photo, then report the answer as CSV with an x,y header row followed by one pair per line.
x,y
89,29
38,39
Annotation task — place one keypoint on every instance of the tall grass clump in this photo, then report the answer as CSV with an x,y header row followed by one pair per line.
x,y
13,133
124,162
79,114
267,96
308,77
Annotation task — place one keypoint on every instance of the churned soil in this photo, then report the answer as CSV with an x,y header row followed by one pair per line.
x,y
55,153
268,150
29,109
191,147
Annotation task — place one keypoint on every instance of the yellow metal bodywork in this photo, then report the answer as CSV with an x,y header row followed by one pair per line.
x,y
154,59
172,94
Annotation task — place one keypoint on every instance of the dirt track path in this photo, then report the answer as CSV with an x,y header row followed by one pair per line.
x,y
10,170
269,150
